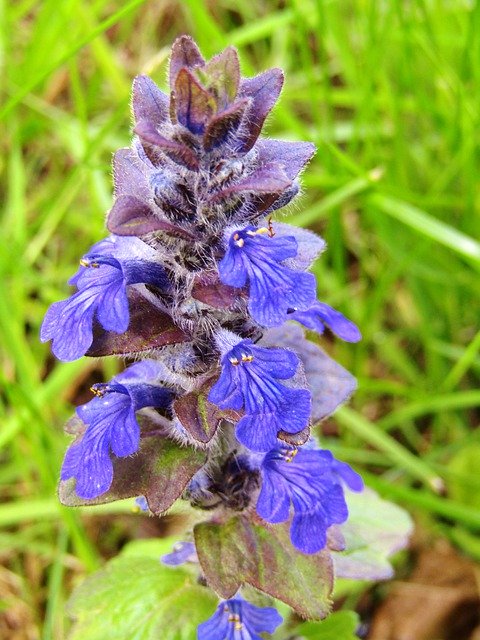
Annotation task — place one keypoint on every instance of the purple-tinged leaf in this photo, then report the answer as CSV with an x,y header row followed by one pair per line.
x,y
362,564
149,328
129,179
185,53
268,178
335,538
375,530
221,76
285,198
239,551
257,205
160,471
208,289
200,417
310,245
264,90
331,385
223,125
148,102
176,151
132,217
194,105
293,156
175,231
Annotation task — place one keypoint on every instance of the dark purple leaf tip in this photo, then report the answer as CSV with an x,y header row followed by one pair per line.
x,y
185,54
194,105
264,91
208,288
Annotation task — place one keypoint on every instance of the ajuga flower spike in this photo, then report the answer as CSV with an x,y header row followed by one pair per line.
x,y
196,283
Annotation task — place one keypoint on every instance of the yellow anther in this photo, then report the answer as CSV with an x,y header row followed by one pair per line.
x,y
86,263
234,361
246,358
263,230
238,241
98,392
238,626
290,454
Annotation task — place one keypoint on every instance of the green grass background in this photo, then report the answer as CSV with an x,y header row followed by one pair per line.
x,y
390,93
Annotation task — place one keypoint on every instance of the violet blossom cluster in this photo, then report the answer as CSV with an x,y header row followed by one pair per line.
x,y
202,290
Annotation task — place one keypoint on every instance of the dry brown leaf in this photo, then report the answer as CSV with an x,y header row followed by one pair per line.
x,y
440,601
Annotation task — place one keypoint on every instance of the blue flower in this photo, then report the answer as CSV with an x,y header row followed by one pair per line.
x,y
237,619
142,504
321,314
311,480
274,287
250,380
112,427
101,281
344,473
182,552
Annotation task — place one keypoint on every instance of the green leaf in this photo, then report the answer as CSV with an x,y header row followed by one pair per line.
x,y
338,626
160,470
374,531
240,551
464,467
137,598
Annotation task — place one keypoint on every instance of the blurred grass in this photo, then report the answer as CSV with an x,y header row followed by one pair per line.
x,y
389,91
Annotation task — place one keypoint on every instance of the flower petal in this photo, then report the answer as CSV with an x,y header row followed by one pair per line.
x,y
273,502
308,532
321,314
216,627
257,432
